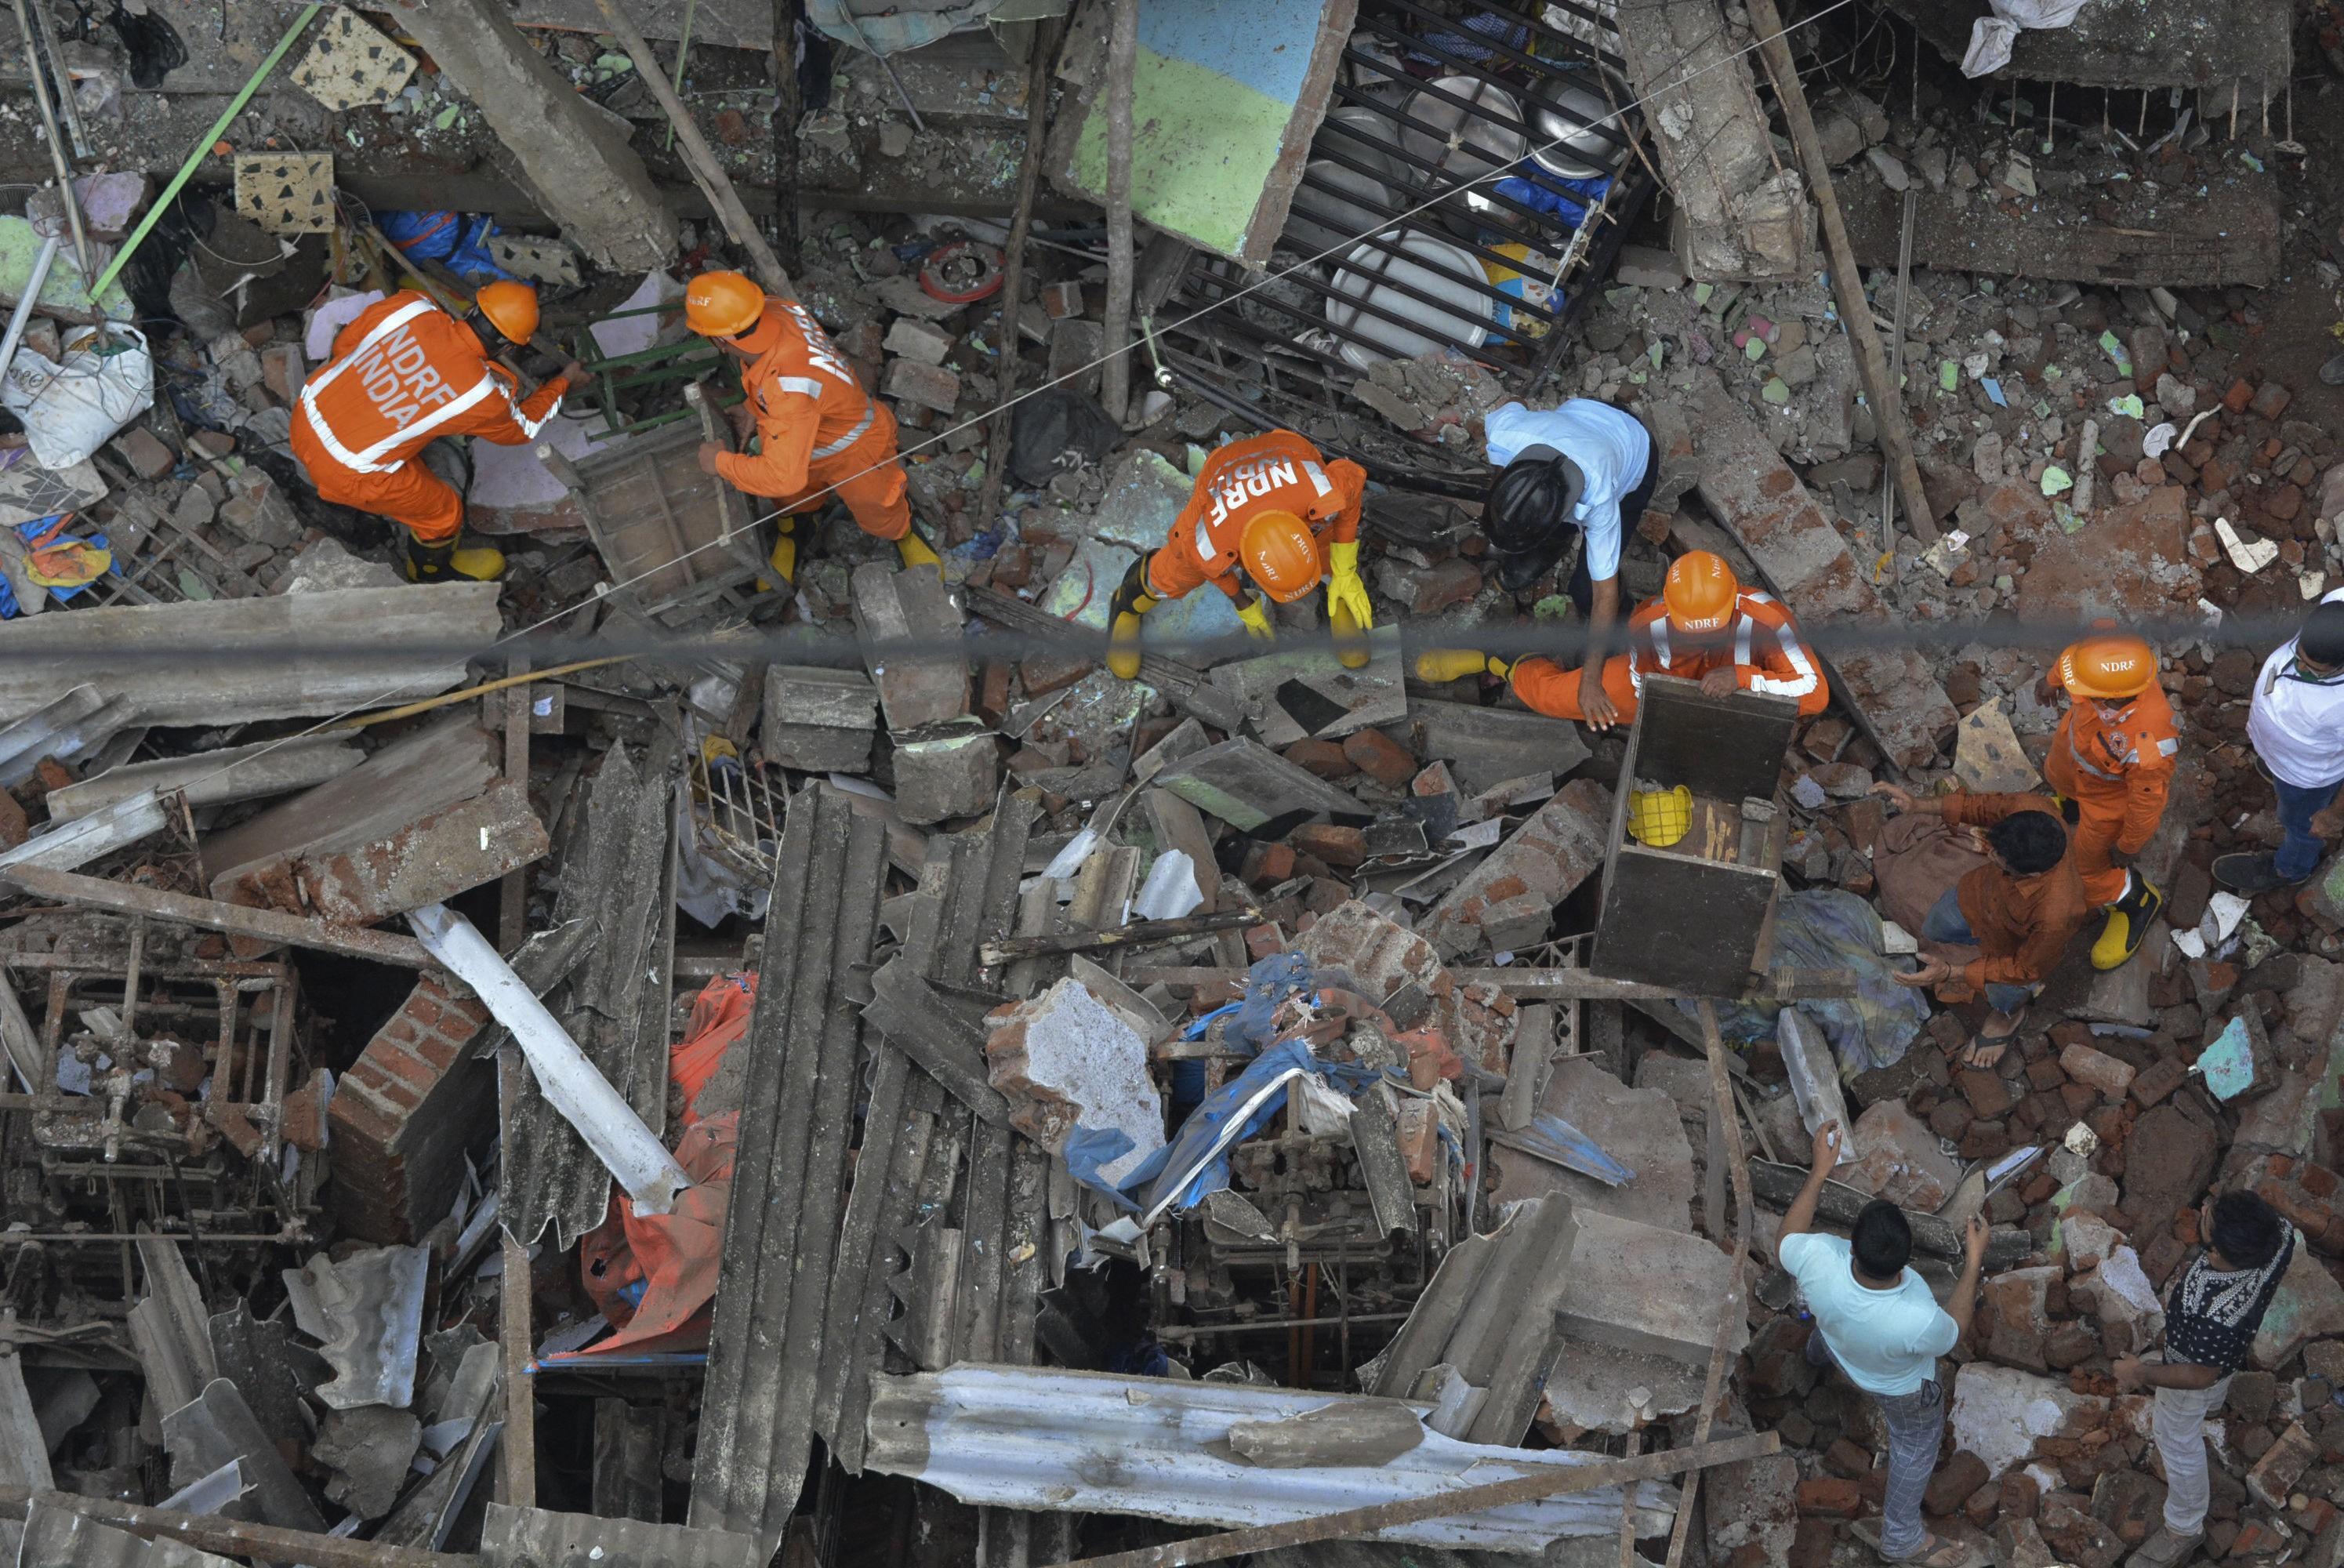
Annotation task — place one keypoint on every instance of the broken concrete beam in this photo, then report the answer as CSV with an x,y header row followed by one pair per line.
x,y
946,775
426,860
1647,1290
1805,563
923,342
573,154
214,778
1246,784
903,607
636,1159
1777,1185
1486,747
2205,44
237,669
1739,213
263,926
417,776
1546,859
819,719
1065,1060
2228,234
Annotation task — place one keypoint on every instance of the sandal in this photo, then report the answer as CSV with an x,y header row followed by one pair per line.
x,y
1935,1551
1984,1051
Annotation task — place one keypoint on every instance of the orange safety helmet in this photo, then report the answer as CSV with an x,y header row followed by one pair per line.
x,y
1701,593
722,304
1280,556
510,308
2109,666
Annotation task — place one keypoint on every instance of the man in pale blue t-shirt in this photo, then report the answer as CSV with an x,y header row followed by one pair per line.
x,y
1584,465
1878,1322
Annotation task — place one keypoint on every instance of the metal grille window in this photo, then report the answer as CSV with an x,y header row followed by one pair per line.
x,y
1468,187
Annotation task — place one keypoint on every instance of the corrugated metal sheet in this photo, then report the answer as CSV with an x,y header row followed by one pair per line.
x,y
1159,1447
537,1538
60,1538
799,1068
367,1314
614,1005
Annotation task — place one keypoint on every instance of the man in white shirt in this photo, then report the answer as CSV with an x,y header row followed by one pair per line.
x,y
1877,1320
2296,725
1584,465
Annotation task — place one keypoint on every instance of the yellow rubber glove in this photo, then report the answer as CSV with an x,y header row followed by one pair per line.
x,y
1345,591
1255,613
1350,643
915,551
1439,665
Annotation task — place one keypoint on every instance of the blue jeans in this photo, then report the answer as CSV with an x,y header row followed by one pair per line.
x,y
1947,924
2299,851
1916,1426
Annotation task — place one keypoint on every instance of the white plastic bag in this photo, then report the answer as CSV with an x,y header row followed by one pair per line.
x,y
72,409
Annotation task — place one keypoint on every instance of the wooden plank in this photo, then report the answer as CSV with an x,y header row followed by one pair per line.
x,y
516,1326
234,1537
211,915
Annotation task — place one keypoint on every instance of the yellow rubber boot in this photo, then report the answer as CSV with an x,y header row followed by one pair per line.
x,y
1123,646
444,562
915,551
1439,665
784,558
1350,645
2128,923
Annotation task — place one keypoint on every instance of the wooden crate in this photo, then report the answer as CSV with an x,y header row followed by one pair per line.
x,y
672,537
1697,916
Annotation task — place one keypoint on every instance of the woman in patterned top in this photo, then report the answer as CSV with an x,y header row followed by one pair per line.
x,y
2210,1319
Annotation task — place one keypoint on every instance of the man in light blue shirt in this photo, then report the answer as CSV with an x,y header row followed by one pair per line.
x,y
1584,465
1878,1322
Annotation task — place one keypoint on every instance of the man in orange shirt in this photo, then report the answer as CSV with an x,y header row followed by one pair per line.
x,y
2112,762
819,433
1273,505
1705,626
404,373
2019,910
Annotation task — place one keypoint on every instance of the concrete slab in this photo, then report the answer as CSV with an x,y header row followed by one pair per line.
x,y
1373,695
1640,1127
2308,1305
427,861
1588,1384
1485,747
946,775
1143,495
1246,784
819,719
1648,1289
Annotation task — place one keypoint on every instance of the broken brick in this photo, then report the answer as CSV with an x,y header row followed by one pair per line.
x,y
1381,758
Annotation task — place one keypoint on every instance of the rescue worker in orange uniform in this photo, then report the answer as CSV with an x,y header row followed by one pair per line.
x,y
404,373
819,433
1274,506
2112,764
1705,626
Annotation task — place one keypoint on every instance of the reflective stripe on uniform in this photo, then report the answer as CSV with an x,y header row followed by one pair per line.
x,y
1318,478
1798,685
429,422
870,417
362,462
530,426
2167,747
805,384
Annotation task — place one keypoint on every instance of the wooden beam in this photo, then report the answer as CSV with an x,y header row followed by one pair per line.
x,y
1138,933
698,156
234,1537
262,924
1730,1313
1882,381
516,1324
1356,1523
1525,984
1122,63
512,894
1013,277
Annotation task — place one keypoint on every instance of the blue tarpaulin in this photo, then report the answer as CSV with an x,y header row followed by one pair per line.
x,y
1827,928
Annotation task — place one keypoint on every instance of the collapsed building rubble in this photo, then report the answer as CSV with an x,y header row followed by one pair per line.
x,y
744,1039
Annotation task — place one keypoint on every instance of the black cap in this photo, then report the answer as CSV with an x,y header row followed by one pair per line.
x,y
2322,641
